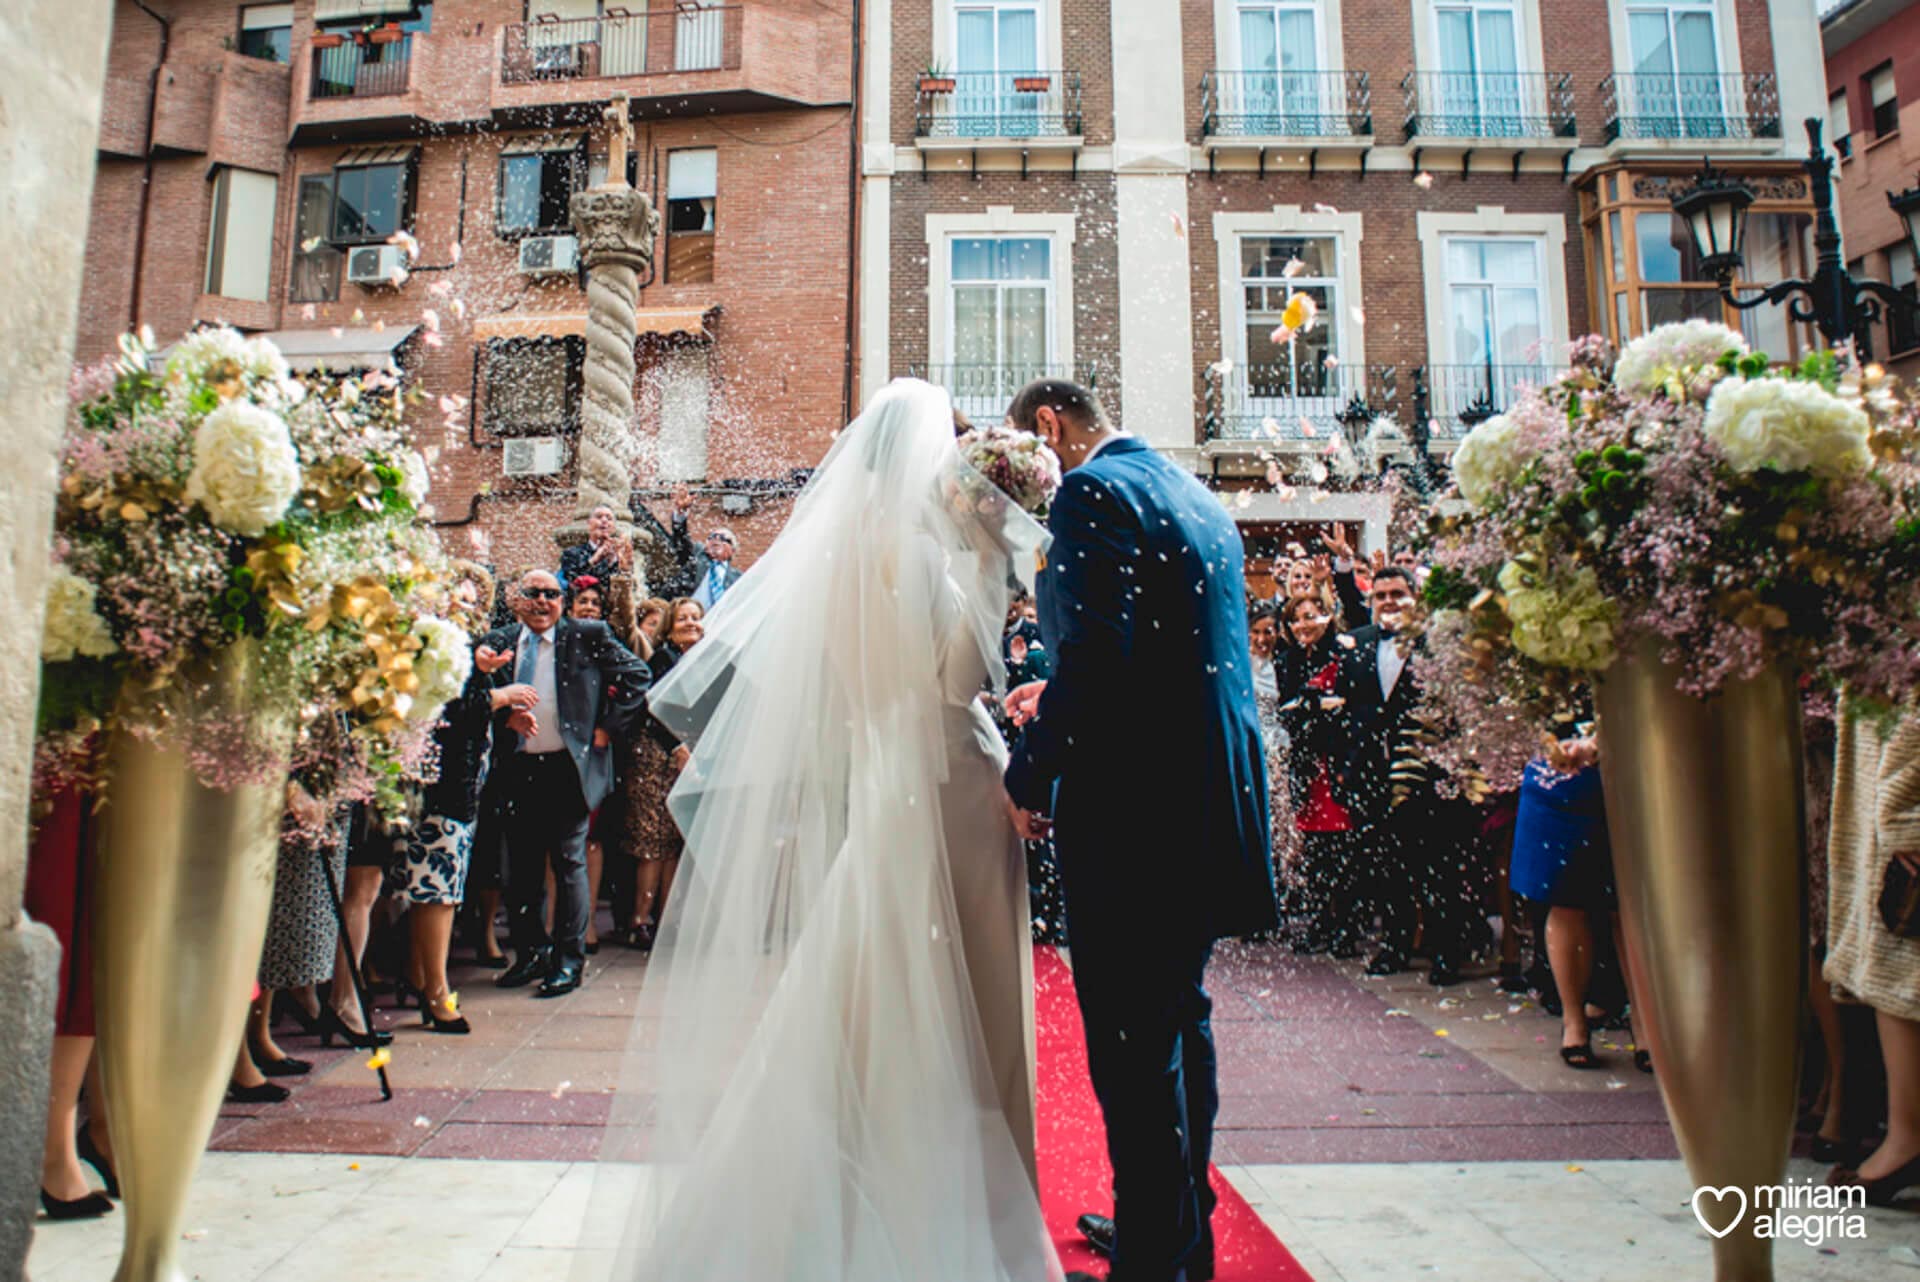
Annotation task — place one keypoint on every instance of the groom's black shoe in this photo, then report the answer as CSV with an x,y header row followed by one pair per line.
x,y
534,964
1098,1231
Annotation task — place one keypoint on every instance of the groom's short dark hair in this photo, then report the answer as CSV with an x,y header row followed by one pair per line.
x,y
1077,404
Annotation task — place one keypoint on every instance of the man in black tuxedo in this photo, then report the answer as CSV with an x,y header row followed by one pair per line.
x,y
1409,848
572,689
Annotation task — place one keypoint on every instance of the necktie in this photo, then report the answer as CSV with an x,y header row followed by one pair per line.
x,y
525,668
717,583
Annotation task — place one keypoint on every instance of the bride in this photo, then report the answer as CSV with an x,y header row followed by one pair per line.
x,y
832,1068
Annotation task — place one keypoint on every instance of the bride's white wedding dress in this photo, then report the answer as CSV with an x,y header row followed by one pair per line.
x,y
832,1073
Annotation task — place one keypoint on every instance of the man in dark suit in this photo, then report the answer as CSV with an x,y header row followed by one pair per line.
x,y
604,553
1409,844
1142,598
706,574
571,690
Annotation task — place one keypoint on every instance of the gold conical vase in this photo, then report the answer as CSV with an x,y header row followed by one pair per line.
x,y
185,879
1704,806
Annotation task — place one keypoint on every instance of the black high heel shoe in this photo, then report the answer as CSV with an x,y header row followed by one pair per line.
x,y
264,1093
1883,1191
90,1154
332,1026
285,1066
438,1024
90,1207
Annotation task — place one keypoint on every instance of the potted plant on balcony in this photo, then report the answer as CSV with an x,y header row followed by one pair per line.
x,y
328,39
936,79
1032,84
387,35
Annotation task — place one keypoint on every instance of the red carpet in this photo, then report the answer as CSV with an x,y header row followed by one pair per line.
x,y
1074,1175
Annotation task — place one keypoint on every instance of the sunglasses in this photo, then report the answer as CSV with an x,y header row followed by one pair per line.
x,y
542,594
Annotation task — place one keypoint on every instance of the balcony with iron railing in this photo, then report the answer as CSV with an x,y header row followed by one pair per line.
x,y
984,391
716,56
1252,105
361,69
1287,405
1459,397
1690,107
968,107
364,88
1491,108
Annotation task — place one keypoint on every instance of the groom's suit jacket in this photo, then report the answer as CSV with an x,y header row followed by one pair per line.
x,y
1147,749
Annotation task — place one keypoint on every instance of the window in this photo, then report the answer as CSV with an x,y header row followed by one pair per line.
x,y
1496,321
692,180
1001,304
1279,56
316,263
1667,265
1479,85
684,401
533,386
993,42
699,36
1676,70
1839,126
240,242
266,31
1299,366
537,180
1882,101
370,201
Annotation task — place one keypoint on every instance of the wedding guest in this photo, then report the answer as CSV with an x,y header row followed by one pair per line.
x,y
651,764
574,689
481,543
1263,640
56,895
1311,715
605,553
369,851
1832,1140
1873,922
704,575
1025,655
586,598
1339,569
436,850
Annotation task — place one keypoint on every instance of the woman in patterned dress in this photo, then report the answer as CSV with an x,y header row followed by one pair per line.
x,y
654,760
437,851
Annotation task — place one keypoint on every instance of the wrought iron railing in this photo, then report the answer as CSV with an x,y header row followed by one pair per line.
x,y
1285,402
983,392
361,70
998,104
1489,104
1461,396
1689,105
687,37
1286,104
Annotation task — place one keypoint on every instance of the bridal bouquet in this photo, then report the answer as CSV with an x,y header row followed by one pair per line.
x,y
222,500
1690,496
1019,464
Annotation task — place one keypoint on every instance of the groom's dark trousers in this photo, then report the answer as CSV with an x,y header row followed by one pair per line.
x,y
1146,751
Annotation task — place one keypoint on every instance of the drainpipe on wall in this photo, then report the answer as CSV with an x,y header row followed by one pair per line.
x,y
853,230
146,181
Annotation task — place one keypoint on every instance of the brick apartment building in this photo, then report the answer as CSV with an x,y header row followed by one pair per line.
x,y
256,158
1873,82
1115,188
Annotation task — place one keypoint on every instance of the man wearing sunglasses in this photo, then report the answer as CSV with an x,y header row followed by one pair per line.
x,y
570,689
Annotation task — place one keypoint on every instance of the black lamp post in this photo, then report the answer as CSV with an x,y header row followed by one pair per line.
x,y
1715,211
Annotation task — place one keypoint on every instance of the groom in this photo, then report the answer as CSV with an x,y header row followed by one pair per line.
x,y
1144,747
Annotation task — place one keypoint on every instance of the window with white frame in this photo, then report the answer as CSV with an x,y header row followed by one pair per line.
x,y
693,184
685,400
1677,91
1282,366
1000,330
1280,56
995,42
1839,124
1478,87
1496,321
240,240
1883,102
266,31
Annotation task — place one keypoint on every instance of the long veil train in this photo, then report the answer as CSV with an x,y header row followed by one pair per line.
x,y
807,1096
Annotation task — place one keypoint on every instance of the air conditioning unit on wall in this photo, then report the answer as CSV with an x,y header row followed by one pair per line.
x,y
375,264
533,456
549,255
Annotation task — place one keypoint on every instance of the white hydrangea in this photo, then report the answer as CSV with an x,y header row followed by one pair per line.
x,y
257,357
1488,460
442,666
1787,425
245,470
1563,621
415,481
1671,357
73,624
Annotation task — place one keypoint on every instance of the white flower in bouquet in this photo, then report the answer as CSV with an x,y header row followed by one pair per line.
x,y
1787,425
1563,621
73,626
1671,357
245,471
443,664
1019,463
415,481
1488,460
258,358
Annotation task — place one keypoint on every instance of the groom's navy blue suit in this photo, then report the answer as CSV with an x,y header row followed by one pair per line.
x,y
1146,752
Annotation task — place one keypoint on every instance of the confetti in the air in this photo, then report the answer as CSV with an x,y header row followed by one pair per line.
x,y
1293,268
1423,180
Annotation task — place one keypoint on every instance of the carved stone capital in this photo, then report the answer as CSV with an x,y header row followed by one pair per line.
x,y
616,226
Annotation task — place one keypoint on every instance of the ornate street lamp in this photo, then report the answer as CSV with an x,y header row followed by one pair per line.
x,y
1715,211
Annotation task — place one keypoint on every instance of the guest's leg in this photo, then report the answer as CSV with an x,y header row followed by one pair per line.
x,y
1570,951
489,913
669,868
596,864
1826,1013
646,889
1900,1049
432,929
526,881
260,1028
356,903
245,1072
568,856
60,1171
96,1096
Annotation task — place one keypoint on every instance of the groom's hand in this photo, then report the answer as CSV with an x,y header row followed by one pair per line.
x,y
1023,702
1030,826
